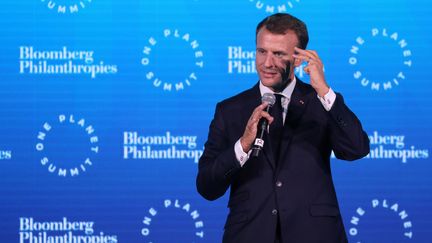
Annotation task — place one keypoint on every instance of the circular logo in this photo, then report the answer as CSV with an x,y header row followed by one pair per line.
x,y
381,221
66,7
380,59
270,8
163,223
70,142
167,55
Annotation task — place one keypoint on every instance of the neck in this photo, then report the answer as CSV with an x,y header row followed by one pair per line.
x,y
281,86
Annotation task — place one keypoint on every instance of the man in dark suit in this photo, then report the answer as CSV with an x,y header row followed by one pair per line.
x,y
286,194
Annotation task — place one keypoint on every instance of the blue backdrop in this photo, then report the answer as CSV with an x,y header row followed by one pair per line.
x,y
105,108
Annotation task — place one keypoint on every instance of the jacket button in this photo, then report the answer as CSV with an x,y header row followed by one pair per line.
x,y
279,184
274,212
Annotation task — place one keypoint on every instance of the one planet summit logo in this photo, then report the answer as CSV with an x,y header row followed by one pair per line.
x,y
172,59
274,6
66,6
162,223
380,60
67,145
380,221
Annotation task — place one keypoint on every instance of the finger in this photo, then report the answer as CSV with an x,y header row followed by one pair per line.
x,y
314,53
267,116
304,58
315,65
299,50
305,55
271,121
259,108
256,114
310,53
262,106
312,62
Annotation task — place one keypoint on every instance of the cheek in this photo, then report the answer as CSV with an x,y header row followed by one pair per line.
x,y
259,60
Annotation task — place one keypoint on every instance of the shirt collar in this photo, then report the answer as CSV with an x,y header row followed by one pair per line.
x,y
287,92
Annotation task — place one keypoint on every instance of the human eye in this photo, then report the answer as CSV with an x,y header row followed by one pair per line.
x,y
279,54
260,51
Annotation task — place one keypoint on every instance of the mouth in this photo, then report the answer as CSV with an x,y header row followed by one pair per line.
x,y
269,73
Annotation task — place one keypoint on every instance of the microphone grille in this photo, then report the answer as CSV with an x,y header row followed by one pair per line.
x,y
268,98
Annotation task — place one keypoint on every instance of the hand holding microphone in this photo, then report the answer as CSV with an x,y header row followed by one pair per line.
x,y
260,118
258,144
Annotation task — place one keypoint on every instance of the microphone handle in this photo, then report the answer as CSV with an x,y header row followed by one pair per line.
x,y
259,140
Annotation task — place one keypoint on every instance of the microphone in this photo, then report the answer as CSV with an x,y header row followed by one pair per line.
x,y
258,145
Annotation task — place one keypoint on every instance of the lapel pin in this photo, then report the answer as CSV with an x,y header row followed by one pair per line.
x,y
302,102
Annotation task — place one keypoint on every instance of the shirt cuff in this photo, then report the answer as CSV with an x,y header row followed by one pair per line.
x,y
328,100
241,156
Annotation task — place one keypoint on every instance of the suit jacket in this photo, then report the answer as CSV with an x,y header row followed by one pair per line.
x,y
299,190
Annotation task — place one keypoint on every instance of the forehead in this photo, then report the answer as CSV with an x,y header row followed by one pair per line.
x,y
266,39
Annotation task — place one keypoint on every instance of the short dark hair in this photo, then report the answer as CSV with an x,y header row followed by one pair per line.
x,y
281,23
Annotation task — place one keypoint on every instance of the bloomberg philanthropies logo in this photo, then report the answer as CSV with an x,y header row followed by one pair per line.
x,y
66,6
242,61
162,67
153,230
164,146
388,212
387,76
280,7
63,61
31,231
5,154
393,146
58,137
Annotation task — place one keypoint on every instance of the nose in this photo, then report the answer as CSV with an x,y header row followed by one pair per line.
x,y
269,61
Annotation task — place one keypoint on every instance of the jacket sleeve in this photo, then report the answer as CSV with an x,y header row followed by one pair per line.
x,y
218,163
349,141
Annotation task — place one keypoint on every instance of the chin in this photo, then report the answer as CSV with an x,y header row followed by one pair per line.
x,y
269,82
